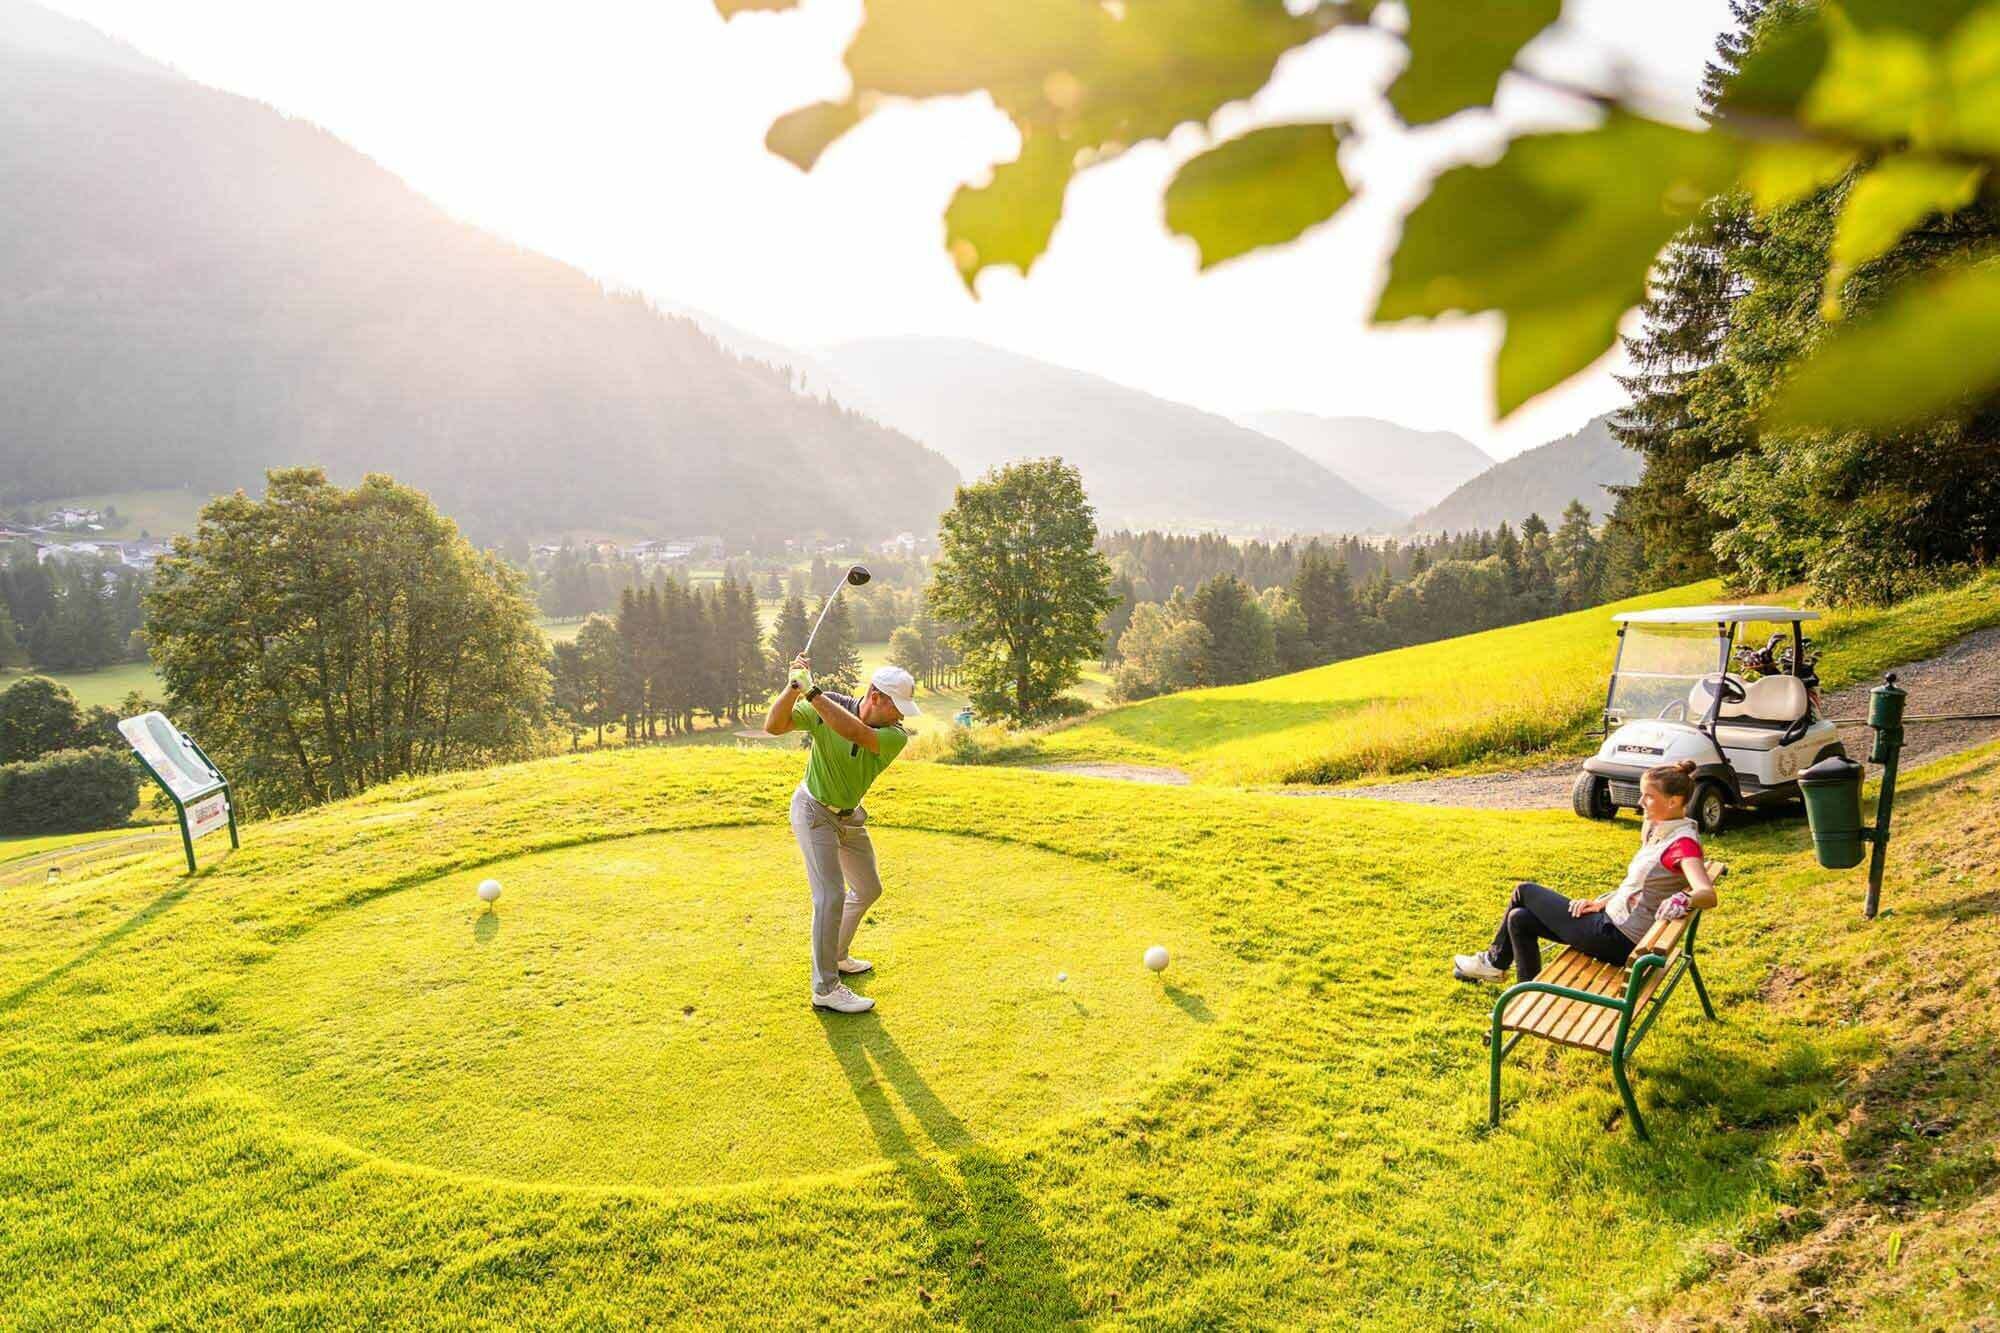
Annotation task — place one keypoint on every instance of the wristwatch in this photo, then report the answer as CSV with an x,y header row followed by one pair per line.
x,y
814,693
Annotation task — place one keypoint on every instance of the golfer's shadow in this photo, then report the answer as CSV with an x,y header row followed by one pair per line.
x,y
1002,1267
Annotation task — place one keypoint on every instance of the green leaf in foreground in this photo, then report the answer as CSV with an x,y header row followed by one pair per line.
x,y
1779,71
1783,171
1009,220
801,136
1884,205
1262,189
1559,236
1458,51
1930,80
1081,80
1928,352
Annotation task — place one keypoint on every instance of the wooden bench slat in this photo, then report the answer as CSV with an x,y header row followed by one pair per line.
x,y
1524,1010
1605,979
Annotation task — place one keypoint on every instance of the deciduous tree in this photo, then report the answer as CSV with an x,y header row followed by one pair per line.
x,y
1019,576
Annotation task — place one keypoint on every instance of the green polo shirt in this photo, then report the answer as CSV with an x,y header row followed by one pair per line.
x,y
839,772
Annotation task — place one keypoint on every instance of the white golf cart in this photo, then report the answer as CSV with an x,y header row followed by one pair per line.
x,y
1673,697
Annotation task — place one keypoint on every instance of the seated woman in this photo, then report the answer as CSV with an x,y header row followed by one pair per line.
x,y
1667,879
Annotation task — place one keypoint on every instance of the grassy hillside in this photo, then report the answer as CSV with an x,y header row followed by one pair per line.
x,y
1476,699
318,1085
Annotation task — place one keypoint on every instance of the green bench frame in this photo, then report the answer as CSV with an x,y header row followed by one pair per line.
x,y
1672,958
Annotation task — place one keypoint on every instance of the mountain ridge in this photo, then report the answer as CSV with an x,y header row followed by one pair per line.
x,y
1146,461
1406,469
195,287
1542,480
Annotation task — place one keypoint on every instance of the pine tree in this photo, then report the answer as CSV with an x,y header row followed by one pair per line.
x,y
788,636
1687,409
836,657
1538,576
12,652
750,674
1315,592
1575,560
604,674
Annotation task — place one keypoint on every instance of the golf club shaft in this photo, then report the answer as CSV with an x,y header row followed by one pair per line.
x,y
822,616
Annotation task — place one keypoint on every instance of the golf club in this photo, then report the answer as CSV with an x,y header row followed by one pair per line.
x,y
856,575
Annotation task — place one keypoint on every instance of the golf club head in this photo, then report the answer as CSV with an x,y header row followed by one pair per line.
x,y
857,574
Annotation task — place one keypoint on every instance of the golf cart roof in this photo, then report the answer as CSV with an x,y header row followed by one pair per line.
x,y
1713,615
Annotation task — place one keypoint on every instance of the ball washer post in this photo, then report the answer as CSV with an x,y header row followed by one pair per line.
x,y
1832,789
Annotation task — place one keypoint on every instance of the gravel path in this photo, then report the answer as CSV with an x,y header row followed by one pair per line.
x,y
1964,678
1169,777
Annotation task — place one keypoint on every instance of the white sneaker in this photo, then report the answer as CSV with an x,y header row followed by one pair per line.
x,y
842,1000
854,967
1475,967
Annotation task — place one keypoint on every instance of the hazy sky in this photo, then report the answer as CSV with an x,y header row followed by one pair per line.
x,y
627,138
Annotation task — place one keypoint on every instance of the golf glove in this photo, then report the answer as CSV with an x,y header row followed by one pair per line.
x,y
1676,907
803,678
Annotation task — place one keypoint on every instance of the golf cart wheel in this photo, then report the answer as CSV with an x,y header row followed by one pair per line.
x,y
1708,807
1591,796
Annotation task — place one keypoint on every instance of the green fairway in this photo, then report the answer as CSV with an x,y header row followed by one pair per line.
x,y
105,687
1480,699
580,1030
317,1083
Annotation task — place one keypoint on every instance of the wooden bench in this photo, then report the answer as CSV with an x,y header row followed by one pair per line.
x,y
1603,1007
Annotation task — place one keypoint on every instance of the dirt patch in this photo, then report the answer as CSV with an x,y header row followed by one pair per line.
x,y
1157,774
1784,979
1964,678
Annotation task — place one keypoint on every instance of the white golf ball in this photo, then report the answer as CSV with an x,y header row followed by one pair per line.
x,y
489,889
1062,976
1156,958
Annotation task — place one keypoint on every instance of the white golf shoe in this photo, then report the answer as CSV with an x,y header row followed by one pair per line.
x,y
1475,967
843,1001
854,967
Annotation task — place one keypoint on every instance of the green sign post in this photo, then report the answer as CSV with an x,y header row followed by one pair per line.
x,y
196,786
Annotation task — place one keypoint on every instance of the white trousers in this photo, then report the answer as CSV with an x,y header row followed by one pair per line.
x,y
840,870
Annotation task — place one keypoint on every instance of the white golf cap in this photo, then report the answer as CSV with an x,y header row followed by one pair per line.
x,y
900,686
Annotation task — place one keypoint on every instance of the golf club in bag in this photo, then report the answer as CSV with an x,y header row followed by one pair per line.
x,y
856,575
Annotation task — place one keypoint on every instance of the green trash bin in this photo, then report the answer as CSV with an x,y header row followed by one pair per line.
x,y
1832,789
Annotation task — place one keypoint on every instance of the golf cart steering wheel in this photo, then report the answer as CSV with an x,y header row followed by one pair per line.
x,y
1732,690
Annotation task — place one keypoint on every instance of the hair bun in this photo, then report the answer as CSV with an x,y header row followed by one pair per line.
x,y
1687,766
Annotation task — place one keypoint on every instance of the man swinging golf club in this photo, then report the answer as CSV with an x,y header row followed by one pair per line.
x,y
852,742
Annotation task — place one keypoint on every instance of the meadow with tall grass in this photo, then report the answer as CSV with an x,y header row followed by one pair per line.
x,y
1487,700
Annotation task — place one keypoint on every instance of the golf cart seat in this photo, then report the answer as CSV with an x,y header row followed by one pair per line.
x,y
1771,708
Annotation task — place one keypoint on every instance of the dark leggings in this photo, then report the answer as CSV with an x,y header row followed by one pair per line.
x,y
1535,914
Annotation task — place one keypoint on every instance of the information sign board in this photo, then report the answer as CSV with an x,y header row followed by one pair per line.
x,y
196,787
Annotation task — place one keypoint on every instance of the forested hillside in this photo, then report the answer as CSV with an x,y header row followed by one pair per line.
x,y
194,288
1542,480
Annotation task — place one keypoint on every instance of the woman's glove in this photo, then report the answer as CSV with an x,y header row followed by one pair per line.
x,y
1676,907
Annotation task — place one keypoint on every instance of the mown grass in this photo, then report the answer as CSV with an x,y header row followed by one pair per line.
x,y
21,848
198,1127
105,687
1483,700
